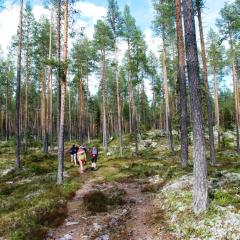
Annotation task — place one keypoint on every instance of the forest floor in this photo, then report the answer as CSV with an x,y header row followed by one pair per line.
x,y
134,197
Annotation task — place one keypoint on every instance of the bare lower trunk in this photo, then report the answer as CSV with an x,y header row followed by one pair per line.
x,y
118,103
18,90
80,111
167,110
129,91
58,62
63,94
43,115
105,142
182,83
87,111
236,92
207,94
6,120
50,100
200,184
217,120
26,97
70,115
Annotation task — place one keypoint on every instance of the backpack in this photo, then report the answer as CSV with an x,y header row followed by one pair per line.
x,y
94,152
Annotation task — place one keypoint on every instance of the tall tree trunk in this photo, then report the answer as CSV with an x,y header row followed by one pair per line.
x,y
235,90
130,90
118,101
167,110
200,185
217,120
63,94
6,120
207,94
26,96
182,83
154,113
43,114
58,63
87,110
80,95
50,100
18,90
105,142
70,115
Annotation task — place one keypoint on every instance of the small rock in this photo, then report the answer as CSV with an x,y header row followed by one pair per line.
x,y
103,237
65,174
113,221
70,223
96,226
66,237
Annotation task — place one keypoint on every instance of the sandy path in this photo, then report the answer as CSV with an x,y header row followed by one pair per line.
x,y
130,221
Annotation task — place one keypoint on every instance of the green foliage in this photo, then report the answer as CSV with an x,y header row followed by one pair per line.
x,y
103,36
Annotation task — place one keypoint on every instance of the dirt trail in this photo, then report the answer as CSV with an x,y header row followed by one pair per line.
x,y
130,220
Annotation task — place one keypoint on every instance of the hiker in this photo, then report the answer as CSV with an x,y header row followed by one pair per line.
x,y
73,154
81,158
94,156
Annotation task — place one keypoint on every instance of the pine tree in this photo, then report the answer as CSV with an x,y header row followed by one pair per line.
x,y
200,185
18,90
182,83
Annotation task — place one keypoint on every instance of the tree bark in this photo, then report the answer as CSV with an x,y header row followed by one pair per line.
x,y
105,142
26,96
80,93
167,110
207,94
43,114
130,90
58,63
63,94
235,90
87,110
217,120
200,184
18,90
50,99
182,83
118,102
70,115
6,120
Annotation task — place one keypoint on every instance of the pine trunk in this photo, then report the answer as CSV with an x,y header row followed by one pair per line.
x,y
167,110
80,110
207,94
182,83
50,98
58,63
216,104
118,103
236,91
70,115
26,116
43,114
63,94
200,184
105,142
6,120
18,90
129,90
87,111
